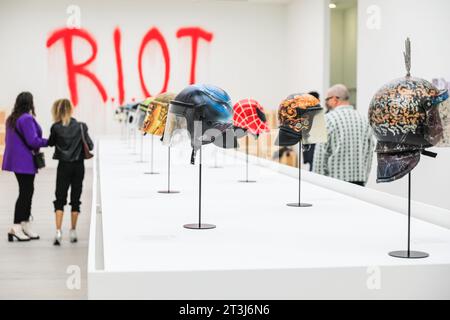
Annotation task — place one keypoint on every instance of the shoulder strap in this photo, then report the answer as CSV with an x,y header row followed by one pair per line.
x,y
82,133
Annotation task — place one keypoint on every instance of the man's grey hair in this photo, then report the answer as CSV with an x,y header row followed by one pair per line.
x,y
340,91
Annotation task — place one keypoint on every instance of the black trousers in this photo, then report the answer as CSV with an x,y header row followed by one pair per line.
x,y
69,175
22,210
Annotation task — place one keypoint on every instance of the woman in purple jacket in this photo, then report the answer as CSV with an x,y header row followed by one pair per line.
x,y
23,136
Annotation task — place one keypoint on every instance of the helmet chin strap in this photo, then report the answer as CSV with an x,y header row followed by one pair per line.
x,y
195,149
193,154
429,154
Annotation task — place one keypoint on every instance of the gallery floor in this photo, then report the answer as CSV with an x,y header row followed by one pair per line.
x,y
261,248
38,270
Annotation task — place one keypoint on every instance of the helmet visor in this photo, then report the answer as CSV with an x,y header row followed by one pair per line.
x,y
442,136
287,137
155,120
314,130
140,117
176,132
318,129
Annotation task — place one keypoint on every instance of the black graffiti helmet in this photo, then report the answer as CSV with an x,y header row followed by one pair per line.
x,y
204,112
404,116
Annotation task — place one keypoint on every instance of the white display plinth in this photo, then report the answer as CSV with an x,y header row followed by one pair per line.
x,y
261,248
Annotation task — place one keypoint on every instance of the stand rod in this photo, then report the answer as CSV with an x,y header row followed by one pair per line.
x,y
168,176
122,130
151,159
408,254
216,164
199,225
142,148
246,158
134,140
299,171
200,190
409,215
128,134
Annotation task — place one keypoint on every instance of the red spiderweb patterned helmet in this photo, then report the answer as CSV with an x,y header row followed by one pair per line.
x,y
249,115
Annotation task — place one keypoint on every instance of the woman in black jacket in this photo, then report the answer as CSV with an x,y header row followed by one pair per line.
x,y
66,135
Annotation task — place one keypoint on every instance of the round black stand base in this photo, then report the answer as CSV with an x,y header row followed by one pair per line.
x,y
412,254
299,205
151,172
196,226
168,191
247,181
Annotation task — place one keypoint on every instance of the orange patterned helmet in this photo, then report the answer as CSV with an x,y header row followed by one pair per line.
x,y
155,120
296,115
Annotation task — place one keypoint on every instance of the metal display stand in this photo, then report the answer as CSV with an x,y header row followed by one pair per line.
x,y
408,254
152,171
168,191
128,130
299,204
141,160
199,225
246,163
133,143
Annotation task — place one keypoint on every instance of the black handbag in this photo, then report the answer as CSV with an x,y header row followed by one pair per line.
x,y
87,153
38,157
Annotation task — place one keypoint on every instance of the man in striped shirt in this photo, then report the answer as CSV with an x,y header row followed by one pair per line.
x,y
347,155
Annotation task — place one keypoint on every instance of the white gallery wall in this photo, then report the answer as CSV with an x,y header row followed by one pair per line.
x,y
246,57
343,47
383,28
307,47
262,49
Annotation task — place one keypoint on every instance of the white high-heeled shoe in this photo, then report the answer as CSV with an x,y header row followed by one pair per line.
x,y
26,228
16,233
58,238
